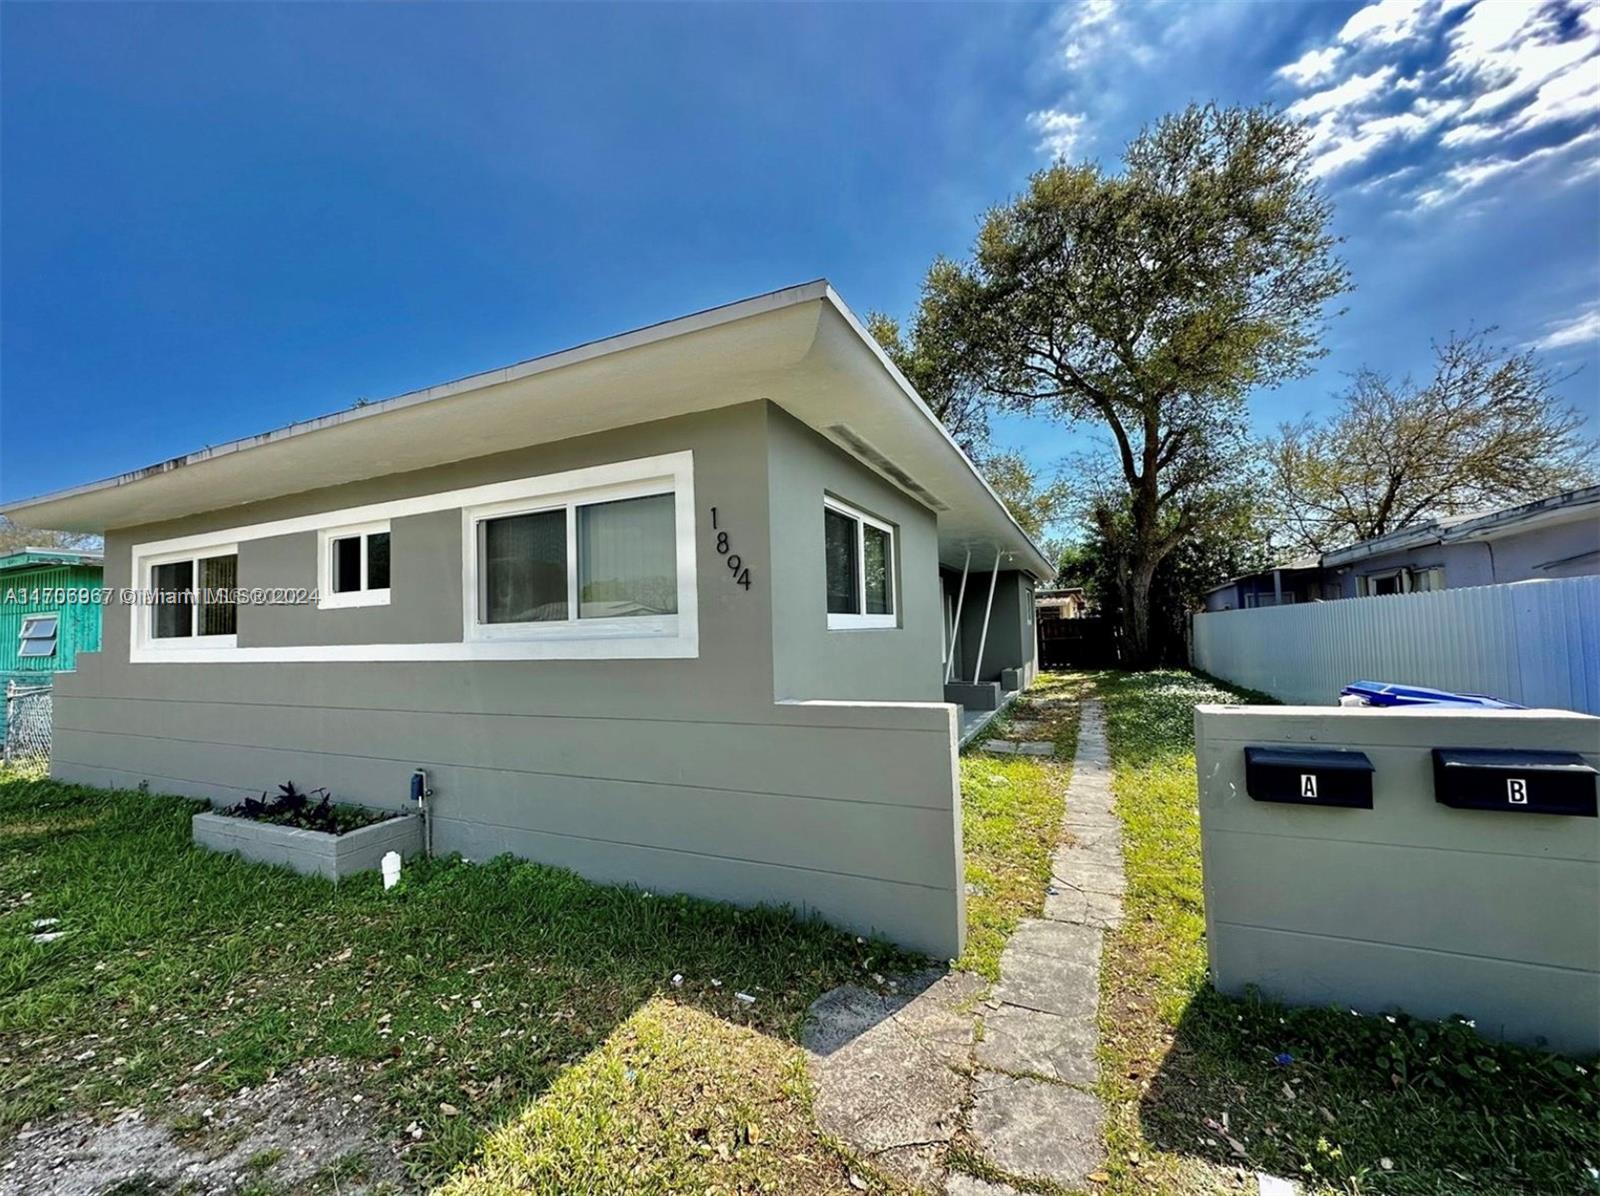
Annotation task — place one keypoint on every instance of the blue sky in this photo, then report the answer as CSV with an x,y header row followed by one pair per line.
x,y
217,219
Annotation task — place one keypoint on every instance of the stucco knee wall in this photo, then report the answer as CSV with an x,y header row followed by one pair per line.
x,y
1412,904
848,812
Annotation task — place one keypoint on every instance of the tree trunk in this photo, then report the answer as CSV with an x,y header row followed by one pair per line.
x,y
1136,579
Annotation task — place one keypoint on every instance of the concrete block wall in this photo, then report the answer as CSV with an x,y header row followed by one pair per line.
x,y
1412,904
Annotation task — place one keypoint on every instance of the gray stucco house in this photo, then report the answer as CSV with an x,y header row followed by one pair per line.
x,y
681,608
1557,536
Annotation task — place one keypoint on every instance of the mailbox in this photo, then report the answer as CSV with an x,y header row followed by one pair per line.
x,y
1309,777
1514,782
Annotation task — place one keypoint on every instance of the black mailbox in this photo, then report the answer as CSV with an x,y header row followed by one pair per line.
x,y
1309,777
1514,782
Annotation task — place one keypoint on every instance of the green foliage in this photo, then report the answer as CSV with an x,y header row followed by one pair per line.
x,y
472,986
1149,302
1235,542
1344,1103
1037,505
930,358
1487,429
1011,822
15,539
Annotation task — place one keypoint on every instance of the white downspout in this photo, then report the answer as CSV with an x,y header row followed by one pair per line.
x,y
955,627
988,609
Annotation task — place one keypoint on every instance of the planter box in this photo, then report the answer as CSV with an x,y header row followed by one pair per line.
x,y
315,853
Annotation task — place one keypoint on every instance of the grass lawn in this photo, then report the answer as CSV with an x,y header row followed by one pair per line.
x,y
514,1025
1199,1098
1011,820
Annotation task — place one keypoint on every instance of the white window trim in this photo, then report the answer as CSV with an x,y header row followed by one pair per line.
x,y
667,471
144,641
573,630
327,599
863,621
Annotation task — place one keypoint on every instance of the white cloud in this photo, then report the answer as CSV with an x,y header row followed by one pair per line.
x,y
1059,132
1468,176
1385,23
1352,93
1086,28
1313,66
1498,70
1469,134
1577,330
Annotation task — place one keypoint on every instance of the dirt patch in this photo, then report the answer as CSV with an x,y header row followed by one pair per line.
x,y
305,1131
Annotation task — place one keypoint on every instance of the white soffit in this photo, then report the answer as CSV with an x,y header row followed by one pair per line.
x,y
801,348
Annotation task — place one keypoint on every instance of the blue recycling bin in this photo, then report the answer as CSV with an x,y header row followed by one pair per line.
x,y
1383,693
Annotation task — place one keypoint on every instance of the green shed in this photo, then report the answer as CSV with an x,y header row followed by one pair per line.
x,y
49,612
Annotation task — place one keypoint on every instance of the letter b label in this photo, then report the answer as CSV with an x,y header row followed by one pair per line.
x,y
1517,791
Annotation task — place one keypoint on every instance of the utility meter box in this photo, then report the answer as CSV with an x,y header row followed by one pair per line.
x,y
1440,861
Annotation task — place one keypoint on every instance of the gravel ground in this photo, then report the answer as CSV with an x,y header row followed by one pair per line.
x,y
306,1131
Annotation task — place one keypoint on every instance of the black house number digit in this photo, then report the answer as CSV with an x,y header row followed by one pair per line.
x,y
736,565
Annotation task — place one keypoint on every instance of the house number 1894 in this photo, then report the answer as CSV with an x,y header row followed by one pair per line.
x,y
736,566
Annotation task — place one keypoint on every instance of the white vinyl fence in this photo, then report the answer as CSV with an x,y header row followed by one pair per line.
x,y
1533,642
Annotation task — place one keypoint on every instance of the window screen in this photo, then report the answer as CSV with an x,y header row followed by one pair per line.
x,y
840,536
875,544
173,615
628,558
219,581
378,561
525,568
347,564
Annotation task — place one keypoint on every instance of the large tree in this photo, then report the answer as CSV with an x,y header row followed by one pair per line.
x,y
1488,428
14,538
930,355
1150,302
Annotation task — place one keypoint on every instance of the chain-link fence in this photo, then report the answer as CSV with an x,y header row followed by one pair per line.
x,y
27,724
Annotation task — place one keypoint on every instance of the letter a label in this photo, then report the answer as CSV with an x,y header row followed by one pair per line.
x,y
1308,784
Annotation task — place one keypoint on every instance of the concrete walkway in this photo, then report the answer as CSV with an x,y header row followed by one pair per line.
x,y
1034,1114
894,1073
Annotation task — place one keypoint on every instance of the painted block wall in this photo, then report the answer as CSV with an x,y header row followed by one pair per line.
x,y
874,664
677,775
1412,904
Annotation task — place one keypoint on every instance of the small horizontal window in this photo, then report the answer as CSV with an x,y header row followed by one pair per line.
x,y
38,636
355,566
184,610
859,556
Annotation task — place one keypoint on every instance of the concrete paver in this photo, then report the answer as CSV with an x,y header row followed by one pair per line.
x,y
1040,1034
1004,747
1038,1130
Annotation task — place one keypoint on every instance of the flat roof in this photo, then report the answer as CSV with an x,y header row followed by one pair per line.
x,y
800,347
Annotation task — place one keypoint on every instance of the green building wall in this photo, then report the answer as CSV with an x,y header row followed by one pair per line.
x,y
43,588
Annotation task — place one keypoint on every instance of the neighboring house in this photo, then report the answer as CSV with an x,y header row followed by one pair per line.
x,y
49,612
1557,536
677,608
1299,580
1063,602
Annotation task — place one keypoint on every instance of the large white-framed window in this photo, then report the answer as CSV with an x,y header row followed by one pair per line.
x,y
599,564
632,594
191,600
353,565
860,566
